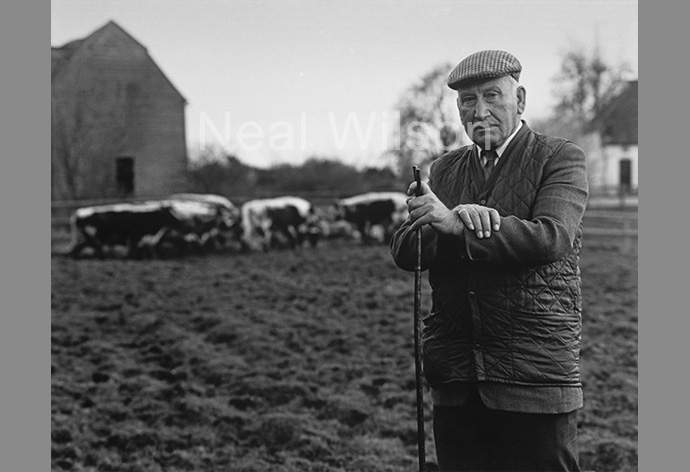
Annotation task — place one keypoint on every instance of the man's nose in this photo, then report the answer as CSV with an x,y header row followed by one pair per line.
x,y
481,111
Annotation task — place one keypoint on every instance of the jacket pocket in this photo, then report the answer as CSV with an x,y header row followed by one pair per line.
x,y
545,346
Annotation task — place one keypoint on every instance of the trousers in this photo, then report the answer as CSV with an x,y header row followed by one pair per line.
x,y
475,438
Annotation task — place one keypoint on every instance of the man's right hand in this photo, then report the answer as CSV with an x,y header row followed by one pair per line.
x,y
480,219
428,209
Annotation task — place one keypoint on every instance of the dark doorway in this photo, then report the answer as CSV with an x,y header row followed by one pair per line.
x,y
124,175
625,173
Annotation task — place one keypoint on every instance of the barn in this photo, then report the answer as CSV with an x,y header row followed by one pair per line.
x,y
117,122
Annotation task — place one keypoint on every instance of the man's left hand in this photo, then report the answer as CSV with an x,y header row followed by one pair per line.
x,y
480,219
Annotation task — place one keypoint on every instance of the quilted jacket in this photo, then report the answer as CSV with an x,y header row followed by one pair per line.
x,y
506,308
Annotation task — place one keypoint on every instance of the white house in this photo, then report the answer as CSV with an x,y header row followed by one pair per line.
x,y
615,168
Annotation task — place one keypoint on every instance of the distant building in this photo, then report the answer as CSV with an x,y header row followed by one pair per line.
x,y
616,167
117,122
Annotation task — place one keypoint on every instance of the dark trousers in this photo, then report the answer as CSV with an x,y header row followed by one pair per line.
x,y
474,438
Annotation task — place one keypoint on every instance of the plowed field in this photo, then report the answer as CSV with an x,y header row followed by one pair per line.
x,y
287,361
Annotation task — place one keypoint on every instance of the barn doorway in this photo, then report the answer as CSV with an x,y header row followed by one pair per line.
x,y
124,176
625,173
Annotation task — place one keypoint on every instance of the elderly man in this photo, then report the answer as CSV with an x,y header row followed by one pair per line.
x,y
501,228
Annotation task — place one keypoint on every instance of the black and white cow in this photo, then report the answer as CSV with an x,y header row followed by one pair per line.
x,y
282,221
368,211
216,200
123,224
206,227
215,220
178,225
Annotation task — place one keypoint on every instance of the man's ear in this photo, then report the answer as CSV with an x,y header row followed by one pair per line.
x,y
522,99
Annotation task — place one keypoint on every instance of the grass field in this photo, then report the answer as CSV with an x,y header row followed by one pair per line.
x,y
287,361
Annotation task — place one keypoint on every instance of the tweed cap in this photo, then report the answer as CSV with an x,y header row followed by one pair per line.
x,y
484,65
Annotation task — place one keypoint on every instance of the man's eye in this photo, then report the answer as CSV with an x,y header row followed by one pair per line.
x,y
491,95
469,101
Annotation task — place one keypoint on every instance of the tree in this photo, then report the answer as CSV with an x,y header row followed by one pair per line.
x,y
429,120
584,85
83,131
215,171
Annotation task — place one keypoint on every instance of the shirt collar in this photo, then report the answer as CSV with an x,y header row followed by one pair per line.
x,y
502,147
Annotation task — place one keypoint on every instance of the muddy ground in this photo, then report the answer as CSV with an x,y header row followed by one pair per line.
x,y
288,361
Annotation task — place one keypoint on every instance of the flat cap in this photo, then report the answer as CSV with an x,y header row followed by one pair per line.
x,y
484,65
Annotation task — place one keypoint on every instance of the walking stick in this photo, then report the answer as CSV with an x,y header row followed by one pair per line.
x,y
418,334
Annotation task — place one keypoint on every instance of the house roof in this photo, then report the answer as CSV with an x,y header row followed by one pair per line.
x,y
60,56
617,122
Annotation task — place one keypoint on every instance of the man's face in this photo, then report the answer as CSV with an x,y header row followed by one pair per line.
x,y
490,110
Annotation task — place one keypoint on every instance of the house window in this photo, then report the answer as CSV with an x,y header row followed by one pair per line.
x,y
607,135
124,175
625,174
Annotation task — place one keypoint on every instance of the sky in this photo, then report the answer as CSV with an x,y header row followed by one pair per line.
x,y
281,81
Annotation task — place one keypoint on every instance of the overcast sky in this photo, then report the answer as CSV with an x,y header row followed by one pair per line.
x,y
279,81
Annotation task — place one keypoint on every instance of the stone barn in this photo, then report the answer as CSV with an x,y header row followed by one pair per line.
x,y
117,122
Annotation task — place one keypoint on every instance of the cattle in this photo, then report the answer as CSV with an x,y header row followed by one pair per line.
x,y
212,199
216,220
276,222
333,226
123,224
366,212
180,224
205,227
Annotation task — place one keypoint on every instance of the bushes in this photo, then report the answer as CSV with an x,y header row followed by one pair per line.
x,y
228,176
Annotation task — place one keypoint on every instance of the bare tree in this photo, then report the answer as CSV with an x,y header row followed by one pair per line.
x,y
209,170
86,127
429,120
584,85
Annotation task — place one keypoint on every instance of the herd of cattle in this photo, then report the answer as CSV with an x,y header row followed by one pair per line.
x,y
201,223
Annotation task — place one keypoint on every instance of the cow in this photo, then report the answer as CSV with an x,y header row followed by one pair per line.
x,y
333,226
209,198
282,221
123,224
182,223
205,227
367,211
219,227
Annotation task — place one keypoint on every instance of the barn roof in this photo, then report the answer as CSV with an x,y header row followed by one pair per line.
x,y
60,56
617,122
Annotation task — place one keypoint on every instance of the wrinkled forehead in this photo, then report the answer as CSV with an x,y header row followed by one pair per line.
x,y
480,85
